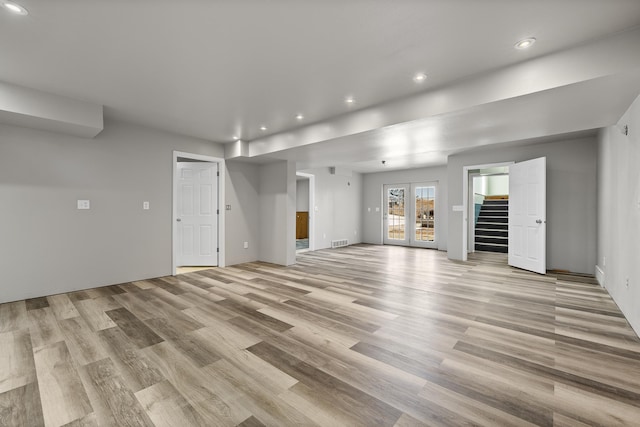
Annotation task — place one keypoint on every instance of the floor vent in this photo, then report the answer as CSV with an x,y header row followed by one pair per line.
x,y
339,243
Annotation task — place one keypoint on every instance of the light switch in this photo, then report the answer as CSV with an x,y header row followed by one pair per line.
x,y
84,204
246,245
368,209
377,209
145,206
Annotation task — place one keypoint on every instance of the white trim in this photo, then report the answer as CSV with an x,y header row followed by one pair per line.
x,y
465,201
221,205
600,276
471,231
312,208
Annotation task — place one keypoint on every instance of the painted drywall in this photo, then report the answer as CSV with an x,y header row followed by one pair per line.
x,y
338,199
277,203
26,107
495,185
619,213
480,185
47,246
373,199
242,221
302,195
498,185
571,198
491,185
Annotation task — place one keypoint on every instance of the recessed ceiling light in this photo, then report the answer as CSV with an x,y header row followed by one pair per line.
x,y
263,128
299,117
15,8
420,77
349,100
525,43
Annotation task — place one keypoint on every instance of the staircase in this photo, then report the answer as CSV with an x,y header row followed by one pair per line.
x,y
492,226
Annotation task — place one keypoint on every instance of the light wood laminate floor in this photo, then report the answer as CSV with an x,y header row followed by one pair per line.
x,y
357,336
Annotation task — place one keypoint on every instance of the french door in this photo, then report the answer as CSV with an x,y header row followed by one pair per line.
x,y
409,214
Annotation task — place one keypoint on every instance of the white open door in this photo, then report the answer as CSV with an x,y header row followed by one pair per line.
x,y
197,214
528,215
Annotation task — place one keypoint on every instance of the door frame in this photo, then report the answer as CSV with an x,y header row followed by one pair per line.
x,y
312,208
221,206
471,236
465,201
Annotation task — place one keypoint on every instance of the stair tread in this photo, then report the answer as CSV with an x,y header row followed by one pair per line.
x,y
493,219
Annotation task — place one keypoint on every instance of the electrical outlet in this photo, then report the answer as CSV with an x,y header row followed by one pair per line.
x,y
145,206
626,283
228,207
84,204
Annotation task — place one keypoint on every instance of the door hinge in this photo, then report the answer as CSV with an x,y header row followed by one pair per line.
x,y
218,250
218,211
218,173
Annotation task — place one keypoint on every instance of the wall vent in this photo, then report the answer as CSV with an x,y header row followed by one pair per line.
x,y
339,243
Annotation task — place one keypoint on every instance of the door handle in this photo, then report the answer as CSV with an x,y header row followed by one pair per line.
x,y
178,220
538,221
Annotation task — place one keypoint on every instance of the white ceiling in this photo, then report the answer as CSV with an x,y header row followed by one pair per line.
x,y
214,69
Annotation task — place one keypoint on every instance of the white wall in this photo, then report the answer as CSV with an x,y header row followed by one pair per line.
x,y
243,220
491,185
47,246
277,204
498,185
339,202
480,185
302,195
571,198
619,213
373,198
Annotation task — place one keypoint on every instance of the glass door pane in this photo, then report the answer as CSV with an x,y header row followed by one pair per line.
x,y
409,214
397,208
396,213
425,198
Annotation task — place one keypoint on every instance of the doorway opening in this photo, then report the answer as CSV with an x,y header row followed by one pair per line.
x,y
468,204
305,218
526,213
489,224
198,217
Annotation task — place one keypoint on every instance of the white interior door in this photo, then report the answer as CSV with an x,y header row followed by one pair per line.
x,y
528,215
197,214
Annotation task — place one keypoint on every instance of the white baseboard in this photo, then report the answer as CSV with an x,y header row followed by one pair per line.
x,y
600,276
